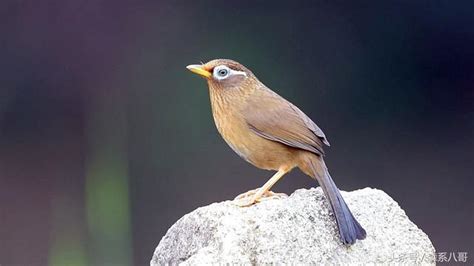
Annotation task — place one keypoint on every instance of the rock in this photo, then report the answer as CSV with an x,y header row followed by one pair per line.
x,y
299,229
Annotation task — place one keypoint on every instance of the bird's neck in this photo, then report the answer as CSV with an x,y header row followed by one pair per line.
x,y
224,103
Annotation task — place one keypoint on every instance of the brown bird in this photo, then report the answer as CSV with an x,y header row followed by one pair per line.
x,y
271,133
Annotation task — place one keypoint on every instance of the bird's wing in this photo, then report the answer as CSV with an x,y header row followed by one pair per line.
x,y
272,117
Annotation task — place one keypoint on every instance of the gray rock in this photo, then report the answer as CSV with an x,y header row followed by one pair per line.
x,y
299,229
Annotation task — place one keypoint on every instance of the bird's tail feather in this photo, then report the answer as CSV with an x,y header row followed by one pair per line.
x,y
349,228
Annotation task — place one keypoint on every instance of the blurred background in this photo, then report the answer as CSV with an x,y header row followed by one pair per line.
x,y
106,139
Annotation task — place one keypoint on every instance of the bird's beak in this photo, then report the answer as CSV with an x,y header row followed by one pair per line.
x,y
200,70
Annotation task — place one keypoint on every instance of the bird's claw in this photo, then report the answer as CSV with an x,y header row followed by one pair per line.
x,y
250,197
244,202
247,194
273,196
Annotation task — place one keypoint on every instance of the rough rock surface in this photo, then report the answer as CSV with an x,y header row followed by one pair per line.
x,y
299,229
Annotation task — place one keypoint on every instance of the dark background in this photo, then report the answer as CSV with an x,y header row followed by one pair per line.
x,y
106,139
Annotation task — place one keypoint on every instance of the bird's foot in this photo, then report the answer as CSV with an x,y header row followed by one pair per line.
x,y
272,195
251,197
247,194
244,202
267,194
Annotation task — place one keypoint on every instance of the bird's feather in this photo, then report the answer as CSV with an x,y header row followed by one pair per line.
x,y
272,117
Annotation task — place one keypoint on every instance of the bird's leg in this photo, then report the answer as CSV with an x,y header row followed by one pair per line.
x,y
256,195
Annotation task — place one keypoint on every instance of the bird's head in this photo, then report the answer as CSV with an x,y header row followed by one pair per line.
x,y
224,74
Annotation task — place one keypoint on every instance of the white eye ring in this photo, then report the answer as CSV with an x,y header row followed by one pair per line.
x,y
221,72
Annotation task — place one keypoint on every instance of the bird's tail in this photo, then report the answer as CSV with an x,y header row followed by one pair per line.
x,y
349,228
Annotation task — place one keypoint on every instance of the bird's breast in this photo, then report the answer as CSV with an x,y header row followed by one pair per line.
x,y
234,131
254,149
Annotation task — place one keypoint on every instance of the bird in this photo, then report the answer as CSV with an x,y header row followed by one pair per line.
x,y
271,133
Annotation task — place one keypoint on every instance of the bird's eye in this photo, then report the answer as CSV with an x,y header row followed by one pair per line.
x,y
223,72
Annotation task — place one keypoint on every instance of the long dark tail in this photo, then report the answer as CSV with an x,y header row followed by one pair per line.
x,y
349,228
